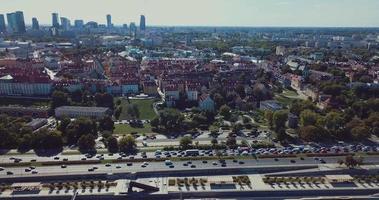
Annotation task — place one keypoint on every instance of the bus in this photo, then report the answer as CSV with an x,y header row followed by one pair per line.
x,y
192,152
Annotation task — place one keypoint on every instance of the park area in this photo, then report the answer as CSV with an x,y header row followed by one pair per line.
x,y
145,108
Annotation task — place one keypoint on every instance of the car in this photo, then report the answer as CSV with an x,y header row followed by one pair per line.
x,y
33,160
322,161
193,166
214,163
63,166
83,159
107,165
56,158
65,159
204,161
27,170
34,172
1,169
241,162
185,164
168,162
129,164
234,160
276,159
9,173
91,170
301,158
119,158
95,167
223,165
118,167
142,165
292,161
32,167
171,166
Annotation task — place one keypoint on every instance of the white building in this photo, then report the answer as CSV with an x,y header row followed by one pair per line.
x,y
79,111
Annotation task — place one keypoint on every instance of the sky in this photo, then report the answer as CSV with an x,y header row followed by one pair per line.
x,y
310,13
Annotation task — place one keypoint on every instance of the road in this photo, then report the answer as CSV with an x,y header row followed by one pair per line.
x,y
178,165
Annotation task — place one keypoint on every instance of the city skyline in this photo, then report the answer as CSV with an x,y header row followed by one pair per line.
x,y
310,13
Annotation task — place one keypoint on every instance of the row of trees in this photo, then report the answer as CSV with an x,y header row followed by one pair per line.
x,y
127,144
81,98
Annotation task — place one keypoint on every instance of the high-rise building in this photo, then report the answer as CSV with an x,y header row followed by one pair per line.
x,y
109,21
142,23
35,24
16,23
79,23
65,23
3,27
55,22
133,29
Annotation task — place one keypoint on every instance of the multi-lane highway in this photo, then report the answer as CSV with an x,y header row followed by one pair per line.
x,y
177,165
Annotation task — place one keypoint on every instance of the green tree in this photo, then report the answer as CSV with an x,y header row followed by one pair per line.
x,y
185,142
279,119
231,142
299,105
311,133
81,126
170,119
155,122
104,100
86,143
118,112
26,143
269,117
106,123
112,144
225,111
127,144
308,117
214,142
59,98
45,140
64,122
360,133
334,122
133,111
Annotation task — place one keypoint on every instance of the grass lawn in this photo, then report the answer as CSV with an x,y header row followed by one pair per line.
x,y
121,129
145,107
286,97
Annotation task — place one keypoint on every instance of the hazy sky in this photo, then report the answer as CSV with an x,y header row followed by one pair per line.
x,y
206,12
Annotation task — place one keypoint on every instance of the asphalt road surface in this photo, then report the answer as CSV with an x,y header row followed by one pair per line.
x,y
179,165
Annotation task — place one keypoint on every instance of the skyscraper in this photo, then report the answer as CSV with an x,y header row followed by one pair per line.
x,y
55,22
65,23
3,28
79,23
16,23
142,23
133,29
109,21
35,24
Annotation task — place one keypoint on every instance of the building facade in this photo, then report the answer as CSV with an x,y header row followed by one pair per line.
x,y
79,111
